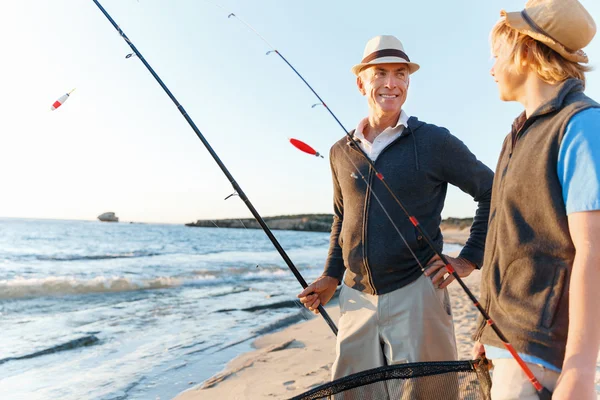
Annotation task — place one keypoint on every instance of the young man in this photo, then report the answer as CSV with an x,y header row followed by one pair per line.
x,y
390,312
542,264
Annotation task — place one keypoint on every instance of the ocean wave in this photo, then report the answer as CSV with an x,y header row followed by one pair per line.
x,y
21,287
70,345
281,323
276,325
250,273
56,286
229,292
243,274
261,307
78,257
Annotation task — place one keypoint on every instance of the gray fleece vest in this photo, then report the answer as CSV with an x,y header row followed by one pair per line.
x,y
529,252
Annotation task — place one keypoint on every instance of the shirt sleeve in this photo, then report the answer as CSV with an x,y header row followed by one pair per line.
x,y
578,166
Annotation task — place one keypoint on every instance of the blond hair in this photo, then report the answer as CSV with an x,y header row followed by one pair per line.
x,y
550,66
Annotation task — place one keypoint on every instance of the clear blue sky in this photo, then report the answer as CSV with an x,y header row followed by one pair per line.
x,y
120,145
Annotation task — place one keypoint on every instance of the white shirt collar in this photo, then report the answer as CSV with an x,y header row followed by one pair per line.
x,y
400,125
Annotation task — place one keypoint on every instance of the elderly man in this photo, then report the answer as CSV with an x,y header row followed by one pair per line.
x,y
541,271
390,311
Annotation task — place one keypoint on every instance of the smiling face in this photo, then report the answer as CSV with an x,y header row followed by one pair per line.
x,y
385,86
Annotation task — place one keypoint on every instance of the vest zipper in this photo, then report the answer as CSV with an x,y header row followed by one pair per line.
x,y
514,139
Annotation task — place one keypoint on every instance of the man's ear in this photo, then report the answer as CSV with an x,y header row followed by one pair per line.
x,y
360,85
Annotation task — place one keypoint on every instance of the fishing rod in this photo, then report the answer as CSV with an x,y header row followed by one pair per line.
x,y
543,393
236,186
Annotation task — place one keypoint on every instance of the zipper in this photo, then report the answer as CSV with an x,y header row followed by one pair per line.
x,y
514,139
366,207
486,299
364,233
364,222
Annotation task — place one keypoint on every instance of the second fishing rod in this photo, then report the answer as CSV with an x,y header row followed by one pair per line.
x,y
543,393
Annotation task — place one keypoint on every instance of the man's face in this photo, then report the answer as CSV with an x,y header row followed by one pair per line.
x,y
506,73
385,86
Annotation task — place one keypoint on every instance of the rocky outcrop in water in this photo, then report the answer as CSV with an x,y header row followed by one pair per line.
x,y
108,217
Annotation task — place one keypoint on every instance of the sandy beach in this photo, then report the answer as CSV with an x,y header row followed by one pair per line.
x,y
299,358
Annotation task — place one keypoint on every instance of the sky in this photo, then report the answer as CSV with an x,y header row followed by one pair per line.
x,y
119,144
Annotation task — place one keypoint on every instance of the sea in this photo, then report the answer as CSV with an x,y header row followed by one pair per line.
x,y
92,310
124,311
115,311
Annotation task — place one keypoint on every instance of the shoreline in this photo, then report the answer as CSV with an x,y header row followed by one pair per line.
x,y
298,358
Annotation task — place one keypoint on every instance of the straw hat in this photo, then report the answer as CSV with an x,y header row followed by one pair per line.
x,y
563,25
384,49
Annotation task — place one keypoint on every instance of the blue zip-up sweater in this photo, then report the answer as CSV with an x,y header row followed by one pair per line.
x,y
418,166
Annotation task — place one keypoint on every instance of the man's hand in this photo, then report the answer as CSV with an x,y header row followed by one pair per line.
x,y
437,270
318,293
478,350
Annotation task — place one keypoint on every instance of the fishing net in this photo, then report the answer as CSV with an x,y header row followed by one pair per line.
x,y
464,380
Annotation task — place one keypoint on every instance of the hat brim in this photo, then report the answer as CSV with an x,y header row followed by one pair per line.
x,y
412,67
516,21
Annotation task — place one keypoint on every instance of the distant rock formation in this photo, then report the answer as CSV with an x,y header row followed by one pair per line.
x,y
303,222
108,217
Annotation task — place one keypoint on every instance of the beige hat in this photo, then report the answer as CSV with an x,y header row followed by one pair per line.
x,y
384,49
563,25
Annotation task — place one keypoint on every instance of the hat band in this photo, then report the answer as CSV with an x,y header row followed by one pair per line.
x,y
385,53
538,29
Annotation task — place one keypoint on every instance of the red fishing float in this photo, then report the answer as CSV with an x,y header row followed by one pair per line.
x,y
300,145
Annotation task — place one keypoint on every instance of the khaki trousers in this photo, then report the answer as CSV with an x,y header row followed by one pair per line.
x,y
411,324
509,382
